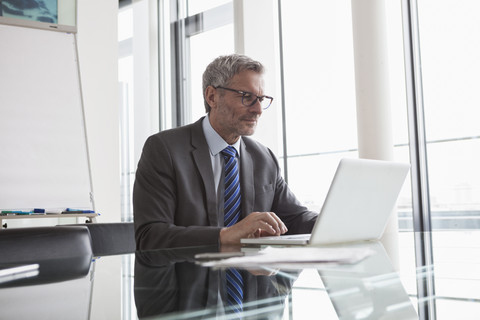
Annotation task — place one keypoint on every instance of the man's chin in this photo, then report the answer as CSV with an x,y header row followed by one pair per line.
x,y
248,132
249,128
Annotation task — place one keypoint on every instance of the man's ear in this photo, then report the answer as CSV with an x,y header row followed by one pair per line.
x,y
210,96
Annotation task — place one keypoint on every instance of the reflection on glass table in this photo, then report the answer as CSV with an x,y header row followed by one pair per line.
x,y
370,289
169,284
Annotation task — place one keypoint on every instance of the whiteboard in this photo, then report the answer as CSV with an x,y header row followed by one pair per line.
x,y
43,147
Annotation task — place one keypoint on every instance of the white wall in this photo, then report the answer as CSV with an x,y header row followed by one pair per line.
x,y
98,58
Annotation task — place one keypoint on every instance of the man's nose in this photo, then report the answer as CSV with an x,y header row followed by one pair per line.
x,y
256,107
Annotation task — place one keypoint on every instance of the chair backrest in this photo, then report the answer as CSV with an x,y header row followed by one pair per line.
x,y
111,238
62,253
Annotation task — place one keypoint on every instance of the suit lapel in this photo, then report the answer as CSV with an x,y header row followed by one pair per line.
x,y
246,180
203,162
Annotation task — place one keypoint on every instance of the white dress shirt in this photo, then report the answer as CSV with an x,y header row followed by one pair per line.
x,y
216,144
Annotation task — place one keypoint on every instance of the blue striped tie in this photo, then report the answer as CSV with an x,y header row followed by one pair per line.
x,y
232,187
231,215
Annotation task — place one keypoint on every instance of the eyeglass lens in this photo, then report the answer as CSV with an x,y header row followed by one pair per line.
x,y
250,99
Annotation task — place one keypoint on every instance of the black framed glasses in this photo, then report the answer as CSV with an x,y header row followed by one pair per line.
x,y
249,99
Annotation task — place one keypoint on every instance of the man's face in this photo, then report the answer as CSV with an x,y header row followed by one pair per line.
x,y
228,116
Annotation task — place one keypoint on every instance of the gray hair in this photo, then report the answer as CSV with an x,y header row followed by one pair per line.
x,y
221,70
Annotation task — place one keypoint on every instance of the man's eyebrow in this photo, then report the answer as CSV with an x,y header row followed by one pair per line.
x,y
251,93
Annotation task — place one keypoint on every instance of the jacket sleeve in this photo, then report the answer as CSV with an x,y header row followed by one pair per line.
x,y
155,203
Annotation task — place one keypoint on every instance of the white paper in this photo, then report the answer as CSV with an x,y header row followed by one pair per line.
x,y
290,257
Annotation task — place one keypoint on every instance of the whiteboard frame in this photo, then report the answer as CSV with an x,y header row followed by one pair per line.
x,y
37,24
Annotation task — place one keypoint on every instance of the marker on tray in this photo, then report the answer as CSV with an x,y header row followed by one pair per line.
x,y
38,211
16,212
73,211
54,211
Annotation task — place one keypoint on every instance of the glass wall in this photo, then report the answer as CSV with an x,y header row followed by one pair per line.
x,y
125,78
319,94
220,42
319,89
320,112
139,112
204,41
450,47
194,6
320,105
137,76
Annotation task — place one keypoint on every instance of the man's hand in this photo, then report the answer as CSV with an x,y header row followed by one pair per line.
x,y
256,224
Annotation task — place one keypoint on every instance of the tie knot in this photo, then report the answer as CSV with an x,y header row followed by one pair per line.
x,y
229,152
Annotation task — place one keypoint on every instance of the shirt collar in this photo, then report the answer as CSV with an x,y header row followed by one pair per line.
x,y
214,141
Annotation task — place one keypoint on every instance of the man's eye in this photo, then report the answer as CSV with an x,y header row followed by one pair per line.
x,y
248,96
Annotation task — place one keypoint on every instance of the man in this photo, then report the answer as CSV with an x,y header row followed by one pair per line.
x,y
178,196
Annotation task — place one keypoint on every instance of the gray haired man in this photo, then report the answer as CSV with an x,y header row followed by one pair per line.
x,y
180,196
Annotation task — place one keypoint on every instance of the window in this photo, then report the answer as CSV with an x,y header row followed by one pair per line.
x,y
319,98
220,42
450,46
125,78
320,103
194,6
319,94
137,76
203,33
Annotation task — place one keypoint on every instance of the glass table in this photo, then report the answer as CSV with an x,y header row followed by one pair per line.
x,y
171,284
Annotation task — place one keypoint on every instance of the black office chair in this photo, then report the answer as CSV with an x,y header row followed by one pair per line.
x,y
111,238
62,253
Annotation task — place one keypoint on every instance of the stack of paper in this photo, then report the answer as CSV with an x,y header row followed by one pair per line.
x,y
298,257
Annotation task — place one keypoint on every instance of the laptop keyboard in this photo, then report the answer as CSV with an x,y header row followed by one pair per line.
x,y
296,236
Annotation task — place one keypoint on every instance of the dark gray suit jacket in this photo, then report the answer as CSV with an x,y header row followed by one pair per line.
x,y
174,198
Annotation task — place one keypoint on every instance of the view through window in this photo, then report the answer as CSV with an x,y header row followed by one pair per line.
x,y
321,128
450,47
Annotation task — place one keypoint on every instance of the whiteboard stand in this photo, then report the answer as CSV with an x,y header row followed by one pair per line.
x,y
91,217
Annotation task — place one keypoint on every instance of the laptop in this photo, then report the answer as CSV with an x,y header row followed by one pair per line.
x,y
358,205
